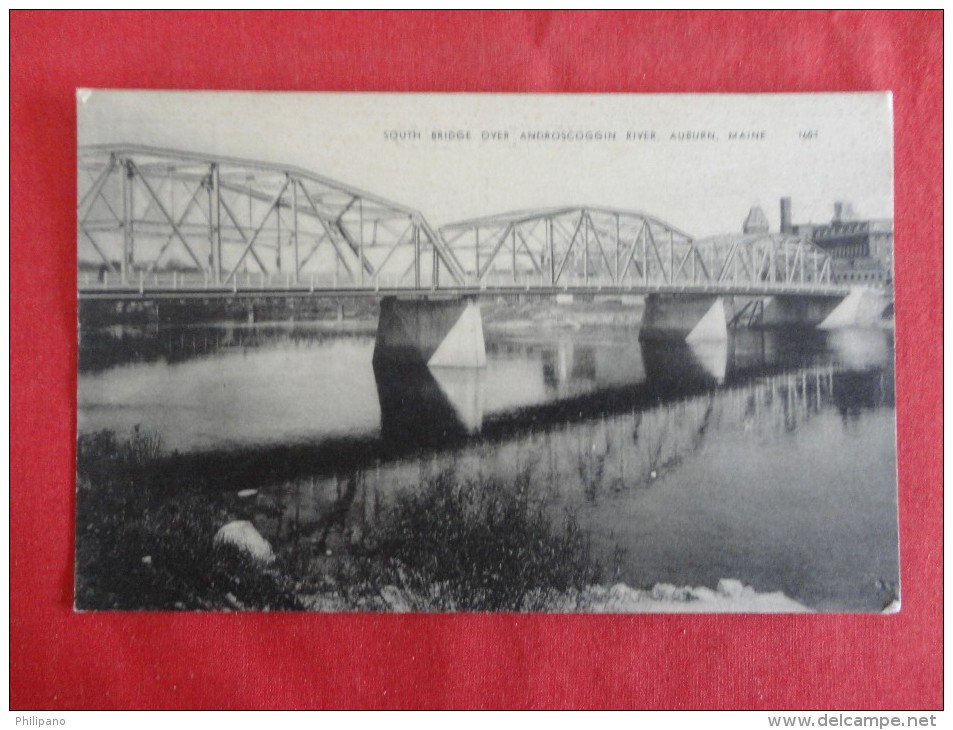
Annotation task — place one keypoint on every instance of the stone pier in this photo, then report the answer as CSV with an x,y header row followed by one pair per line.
x,y
707,318
791,310
692,317
434,332
862,308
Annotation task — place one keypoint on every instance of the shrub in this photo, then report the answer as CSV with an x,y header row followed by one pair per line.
x,y
144,545
479,546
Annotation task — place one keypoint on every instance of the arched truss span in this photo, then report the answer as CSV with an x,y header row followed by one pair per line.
x,y
149,212
151,216
606,247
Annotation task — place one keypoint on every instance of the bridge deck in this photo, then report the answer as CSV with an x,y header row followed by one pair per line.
x,y
186,291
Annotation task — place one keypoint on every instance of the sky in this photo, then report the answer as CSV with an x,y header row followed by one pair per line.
x,y
813,148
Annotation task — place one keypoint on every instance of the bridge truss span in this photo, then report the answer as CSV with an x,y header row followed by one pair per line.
x,y
148,215
587,247
167,223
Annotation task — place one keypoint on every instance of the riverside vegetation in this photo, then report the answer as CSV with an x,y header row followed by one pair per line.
x,y
144,540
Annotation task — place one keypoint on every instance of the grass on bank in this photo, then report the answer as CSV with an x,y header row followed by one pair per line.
x,y
453,544
478,545
145,545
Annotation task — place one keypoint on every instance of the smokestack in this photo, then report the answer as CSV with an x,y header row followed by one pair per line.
x,y
786,226
838,211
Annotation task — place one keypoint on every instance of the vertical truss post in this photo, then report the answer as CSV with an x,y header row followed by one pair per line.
x,y
90,196
552,251
251,219
645,252
416,258
671,258
800,255
215,223
250,243
476,248
360,240
618,244
294,227
435,270
513,248
585,254
127,216
278,234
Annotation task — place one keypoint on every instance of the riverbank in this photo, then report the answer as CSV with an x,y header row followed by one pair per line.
x,y
454,544
148,541
729,596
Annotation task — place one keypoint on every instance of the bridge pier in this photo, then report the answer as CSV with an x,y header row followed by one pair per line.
x,y
707,318
860,308
791,310
692,317
435,332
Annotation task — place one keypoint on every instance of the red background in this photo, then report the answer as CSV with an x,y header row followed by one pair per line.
x,y
64,660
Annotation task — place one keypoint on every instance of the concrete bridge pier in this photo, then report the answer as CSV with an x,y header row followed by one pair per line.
x,y
691,317
434,332
792,310
862,308
707,318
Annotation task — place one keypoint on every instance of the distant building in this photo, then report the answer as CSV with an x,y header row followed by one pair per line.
x,y
756,222
861,250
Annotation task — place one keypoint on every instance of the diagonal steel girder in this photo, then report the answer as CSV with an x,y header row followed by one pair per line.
x,y
617,246
189,166
175,228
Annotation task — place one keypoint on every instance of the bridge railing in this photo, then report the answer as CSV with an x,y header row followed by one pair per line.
x,y
190,281
144,282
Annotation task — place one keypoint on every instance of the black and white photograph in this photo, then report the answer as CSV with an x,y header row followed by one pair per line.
x,y
575,353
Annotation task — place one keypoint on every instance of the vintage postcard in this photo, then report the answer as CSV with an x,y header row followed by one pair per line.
x,y
556,353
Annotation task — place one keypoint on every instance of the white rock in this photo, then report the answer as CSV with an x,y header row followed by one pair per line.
x,y
701,593
242,535
731,587
731,596
395,599
247,493
664,592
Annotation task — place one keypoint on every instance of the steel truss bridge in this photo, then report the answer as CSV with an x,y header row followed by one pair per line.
x,y
160,223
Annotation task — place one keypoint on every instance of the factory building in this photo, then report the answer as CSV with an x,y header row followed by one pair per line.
x,y
861,249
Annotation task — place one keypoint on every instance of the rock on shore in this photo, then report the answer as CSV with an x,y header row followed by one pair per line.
x,y
731,596
242,535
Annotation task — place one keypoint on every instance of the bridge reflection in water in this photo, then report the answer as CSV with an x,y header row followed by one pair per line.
x,y
769,458
429,406
707,464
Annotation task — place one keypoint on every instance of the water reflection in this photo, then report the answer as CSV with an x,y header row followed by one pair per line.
x,y
417,410
104,348
755,481
203,388
769,457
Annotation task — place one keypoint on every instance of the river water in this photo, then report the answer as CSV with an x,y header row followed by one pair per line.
x,y
769,459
